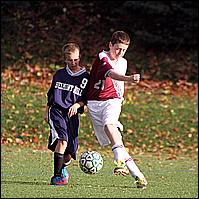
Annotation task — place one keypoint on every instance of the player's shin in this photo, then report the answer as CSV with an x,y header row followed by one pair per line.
x,y
58,163
132,167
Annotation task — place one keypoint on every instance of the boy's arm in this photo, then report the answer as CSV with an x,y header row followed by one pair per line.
x,y
135,78
46,114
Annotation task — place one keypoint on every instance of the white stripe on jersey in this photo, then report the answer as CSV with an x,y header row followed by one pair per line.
x,y
119,88
75,74
53,130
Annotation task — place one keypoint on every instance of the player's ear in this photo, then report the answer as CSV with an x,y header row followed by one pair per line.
x,y
64,51
110,44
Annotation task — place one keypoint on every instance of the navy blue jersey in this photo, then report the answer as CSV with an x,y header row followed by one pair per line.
x,y
67,88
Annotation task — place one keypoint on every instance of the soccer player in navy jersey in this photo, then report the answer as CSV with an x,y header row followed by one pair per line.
x,y
104,101
66,98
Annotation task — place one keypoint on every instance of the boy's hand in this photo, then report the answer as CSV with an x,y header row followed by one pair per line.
x,y
135,78
46,117
46,114
73,109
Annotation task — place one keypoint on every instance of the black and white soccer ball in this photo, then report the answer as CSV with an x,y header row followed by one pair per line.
x,y
91,162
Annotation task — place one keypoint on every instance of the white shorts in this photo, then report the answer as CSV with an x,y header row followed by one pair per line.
x,y
103,113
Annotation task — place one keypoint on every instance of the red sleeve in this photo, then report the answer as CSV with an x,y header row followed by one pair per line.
x,y
104,67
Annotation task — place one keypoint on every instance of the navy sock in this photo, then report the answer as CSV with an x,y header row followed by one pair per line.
x,y
58,163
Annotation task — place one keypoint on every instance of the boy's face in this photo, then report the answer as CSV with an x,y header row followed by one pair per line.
x,y
72,59
117,50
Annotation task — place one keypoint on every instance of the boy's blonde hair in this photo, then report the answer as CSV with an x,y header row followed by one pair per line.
x,y
120,37
70,47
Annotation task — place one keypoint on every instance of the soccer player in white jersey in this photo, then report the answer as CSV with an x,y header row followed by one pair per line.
x,y
104,101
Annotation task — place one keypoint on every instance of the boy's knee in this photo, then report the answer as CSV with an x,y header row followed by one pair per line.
x,y
62,142
61,146
110,127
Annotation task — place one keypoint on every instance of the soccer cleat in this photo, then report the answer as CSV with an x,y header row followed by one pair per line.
x,y
141,182
120,168
65,173
58,180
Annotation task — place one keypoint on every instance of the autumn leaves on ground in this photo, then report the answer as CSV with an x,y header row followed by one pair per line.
x,y
158,116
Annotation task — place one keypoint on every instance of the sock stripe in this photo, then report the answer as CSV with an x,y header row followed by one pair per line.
x,y
119,146
128,159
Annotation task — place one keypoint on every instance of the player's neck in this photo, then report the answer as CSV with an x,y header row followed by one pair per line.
x,y
74,69
111,57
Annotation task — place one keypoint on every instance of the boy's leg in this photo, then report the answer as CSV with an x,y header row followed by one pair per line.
x,y
67,161
59,156
58,178
118,149
122,157
58,163
57,142
141,182
121,154
119,160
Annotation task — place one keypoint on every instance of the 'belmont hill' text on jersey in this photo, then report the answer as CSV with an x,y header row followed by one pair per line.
x,y
67,88
101,87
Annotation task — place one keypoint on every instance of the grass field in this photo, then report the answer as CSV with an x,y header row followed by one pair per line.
x,y
160,131
26,173
153,121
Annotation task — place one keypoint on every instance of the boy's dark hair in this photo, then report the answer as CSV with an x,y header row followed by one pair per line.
x,y
120,37
70,47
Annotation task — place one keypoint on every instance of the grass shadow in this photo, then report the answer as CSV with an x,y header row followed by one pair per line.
x,y
71,183
24,182
114,186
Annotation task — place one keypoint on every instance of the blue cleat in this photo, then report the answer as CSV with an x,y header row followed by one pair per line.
x,y
58,180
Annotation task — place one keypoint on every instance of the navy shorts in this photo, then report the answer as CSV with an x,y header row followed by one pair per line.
x,y
63,128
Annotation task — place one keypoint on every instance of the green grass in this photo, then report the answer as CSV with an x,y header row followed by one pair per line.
x,y
160,131
152,121
160,121
26,172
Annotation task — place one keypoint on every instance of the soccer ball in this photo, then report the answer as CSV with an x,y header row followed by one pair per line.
x,y
90,162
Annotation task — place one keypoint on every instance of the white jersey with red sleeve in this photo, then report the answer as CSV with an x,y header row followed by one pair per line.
x,y
101,87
